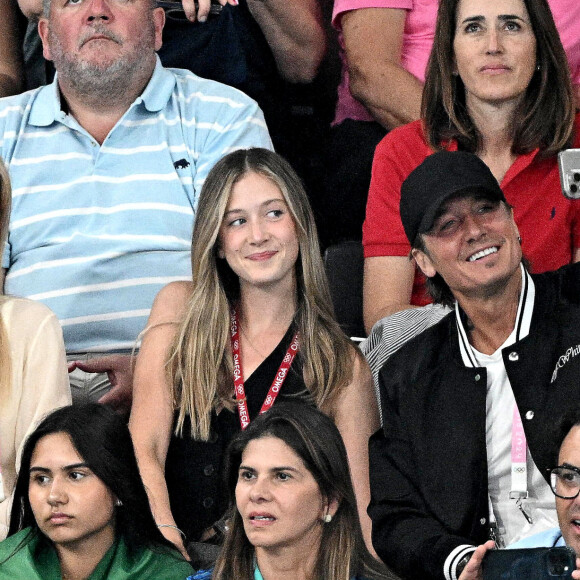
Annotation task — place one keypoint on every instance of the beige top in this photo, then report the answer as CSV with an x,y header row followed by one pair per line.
x,y
39,383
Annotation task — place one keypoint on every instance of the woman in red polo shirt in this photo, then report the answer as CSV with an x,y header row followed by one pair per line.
x,y
497,85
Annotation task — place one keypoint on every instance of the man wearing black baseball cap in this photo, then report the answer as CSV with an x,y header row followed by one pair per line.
x,y
468,405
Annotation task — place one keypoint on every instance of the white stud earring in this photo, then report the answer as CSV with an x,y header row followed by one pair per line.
x,y
118,503
327,519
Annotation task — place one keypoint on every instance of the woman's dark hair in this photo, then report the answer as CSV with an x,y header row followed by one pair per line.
x,y
545,116
316,440
102,439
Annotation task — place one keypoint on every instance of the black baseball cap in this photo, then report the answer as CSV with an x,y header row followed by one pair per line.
x,y
442,175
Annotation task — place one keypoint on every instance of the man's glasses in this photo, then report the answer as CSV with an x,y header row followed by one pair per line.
x,y
174,10
565,481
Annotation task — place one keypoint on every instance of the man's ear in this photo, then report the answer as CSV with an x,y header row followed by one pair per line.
x,y
159,23
424,262
43,33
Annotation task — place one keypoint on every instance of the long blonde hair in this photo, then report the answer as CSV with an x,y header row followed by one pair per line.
x,y
200,364
5,363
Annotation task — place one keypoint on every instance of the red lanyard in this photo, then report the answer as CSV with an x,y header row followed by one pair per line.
x,y
239,377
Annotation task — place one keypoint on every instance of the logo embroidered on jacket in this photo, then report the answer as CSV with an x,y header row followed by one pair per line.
x,y
570,353
182,164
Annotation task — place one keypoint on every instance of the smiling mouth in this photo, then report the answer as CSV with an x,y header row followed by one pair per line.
x,y
261,256
483,253
262,518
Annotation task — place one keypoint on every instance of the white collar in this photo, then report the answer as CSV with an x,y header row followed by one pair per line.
x,y
521,327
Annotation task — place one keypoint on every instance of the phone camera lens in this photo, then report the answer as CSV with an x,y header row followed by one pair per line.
x,y
576,176
573,188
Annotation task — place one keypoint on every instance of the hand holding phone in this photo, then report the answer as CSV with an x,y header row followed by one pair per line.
x,y
529,564
569,164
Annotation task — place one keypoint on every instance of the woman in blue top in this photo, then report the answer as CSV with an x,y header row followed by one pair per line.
x,y
80,510
292,506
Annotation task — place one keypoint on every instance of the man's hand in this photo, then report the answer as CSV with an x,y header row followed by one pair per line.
x,y
473,569
576,573
202,9
119,369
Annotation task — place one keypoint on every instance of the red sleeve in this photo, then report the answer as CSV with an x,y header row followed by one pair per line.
x,y
401,151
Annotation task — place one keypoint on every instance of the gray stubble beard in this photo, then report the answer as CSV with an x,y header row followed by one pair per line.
x,y
106,85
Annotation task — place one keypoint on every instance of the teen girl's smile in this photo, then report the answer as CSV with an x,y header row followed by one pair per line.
x,y
258,235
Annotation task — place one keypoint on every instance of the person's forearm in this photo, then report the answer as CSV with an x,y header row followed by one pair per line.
x,y
32,9
373,41
11,60
154,481
390,93
9,85
295,34
152,474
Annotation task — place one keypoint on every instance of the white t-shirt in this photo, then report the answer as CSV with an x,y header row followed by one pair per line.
x,y
500,403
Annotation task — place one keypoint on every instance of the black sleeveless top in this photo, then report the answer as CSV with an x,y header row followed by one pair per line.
x,y
193,469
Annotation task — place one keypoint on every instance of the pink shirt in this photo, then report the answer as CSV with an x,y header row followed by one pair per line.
x,y
418,38
417,41
566,15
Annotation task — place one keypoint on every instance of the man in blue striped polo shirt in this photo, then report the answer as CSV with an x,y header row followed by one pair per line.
x,y
106,164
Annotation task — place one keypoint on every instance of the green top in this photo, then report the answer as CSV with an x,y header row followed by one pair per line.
x,y
37,560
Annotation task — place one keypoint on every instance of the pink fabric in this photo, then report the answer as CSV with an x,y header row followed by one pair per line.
x,y
567,18
417,41
418,38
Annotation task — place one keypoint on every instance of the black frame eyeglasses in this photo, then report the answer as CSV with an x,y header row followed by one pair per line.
x,y
565,481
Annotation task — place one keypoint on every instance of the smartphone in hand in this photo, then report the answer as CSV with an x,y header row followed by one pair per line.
x,y
529,564
569,164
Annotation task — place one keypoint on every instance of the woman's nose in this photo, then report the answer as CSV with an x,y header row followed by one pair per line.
x,y
57,493
260,490
258,231
493,42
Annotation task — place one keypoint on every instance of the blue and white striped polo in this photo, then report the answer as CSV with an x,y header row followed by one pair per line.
x,y
97,231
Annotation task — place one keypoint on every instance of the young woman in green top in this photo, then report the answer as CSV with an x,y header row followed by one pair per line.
x,y
80,510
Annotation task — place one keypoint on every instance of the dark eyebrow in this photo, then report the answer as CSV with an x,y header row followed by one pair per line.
x,y
570,466
502,17
273,469
473,19
510,17
246,468
285,468
65,468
